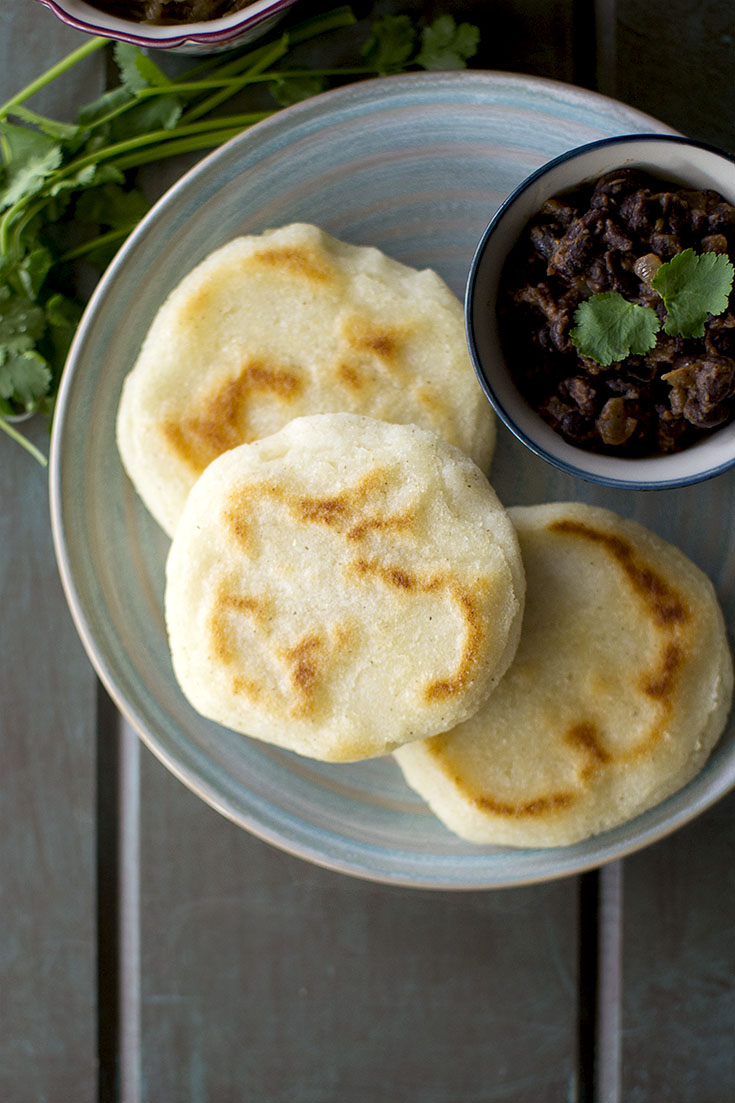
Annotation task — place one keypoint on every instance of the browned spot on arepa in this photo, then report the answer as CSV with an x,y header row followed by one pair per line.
x,y
304,660
366,336
291,260
583,737
473,624
474,635
666,606
538,806
390,574
656,677
225,604
221,627
352,515
660,682
395,522
219,420
351,376
669,616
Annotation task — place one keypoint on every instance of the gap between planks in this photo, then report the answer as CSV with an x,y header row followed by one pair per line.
x,y
600,984
118,906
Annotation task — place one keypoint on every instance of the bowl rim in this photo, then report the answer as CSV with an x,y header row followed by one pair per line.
x,y
175,35
568,465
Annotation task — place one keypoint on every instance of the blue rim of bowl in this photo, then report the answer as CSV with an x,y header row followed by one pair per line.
x,y
221,35
572,469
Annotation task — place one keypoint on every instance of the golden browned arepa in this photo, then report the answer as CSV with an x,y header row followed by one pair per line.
x,y
283,324
619,689
342,586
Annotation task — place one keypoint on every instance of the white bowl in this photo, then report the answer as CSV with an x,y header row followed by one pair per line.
x,y
188,38
669,157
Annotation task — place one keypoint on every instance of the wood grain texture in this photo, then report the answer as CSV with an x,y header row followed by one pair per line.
x,y
264,977
249,974
675,60
47,822
679,961
47,734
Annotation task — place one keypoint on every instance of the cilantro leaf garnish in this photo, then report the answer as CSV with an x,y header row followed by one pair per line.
x,y
21,322
24,379
30,159
609,328
444,45
137,70
693,286
287,90
390,44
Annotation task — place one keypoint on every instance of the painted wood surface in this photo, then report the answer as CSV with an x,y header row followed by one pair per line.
x,y
151,951
678,920
48,950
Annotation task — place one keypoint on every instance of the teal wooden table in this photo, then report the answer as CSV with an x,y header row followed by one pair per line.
x,y
153,952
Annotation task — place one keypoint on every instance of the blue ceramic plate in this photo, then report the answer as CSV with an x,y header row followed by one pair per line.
x,y
415,165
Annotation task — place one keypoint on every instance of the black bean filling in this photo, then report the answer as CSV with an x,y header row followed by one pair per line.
x,y
590,241
169,11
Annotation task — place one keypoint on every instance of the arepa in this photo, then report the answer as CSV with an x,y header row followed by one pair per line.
x,y
619,689
287,323
341,587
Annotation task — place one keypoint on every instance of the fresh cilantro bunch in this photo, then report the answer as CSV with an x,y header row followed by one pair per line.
x,y
692,286
68,190
391,46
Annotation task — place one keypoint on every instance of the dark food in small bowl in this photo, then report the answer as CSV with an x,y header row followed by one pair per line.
x,y
612,235
169,11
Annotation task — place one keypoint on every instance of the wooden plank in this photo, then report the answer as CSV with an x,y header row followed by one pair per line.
x,y
679,939
47,731
674,59
264,977
47,812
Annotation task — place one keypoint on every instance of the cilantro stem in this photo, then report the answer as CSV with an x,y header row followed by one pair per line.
x,y
217,130
273,54
236,82
252,60
95,243
319,24
153,137
24,442
309,28
6,221
205,140
51,74
44,122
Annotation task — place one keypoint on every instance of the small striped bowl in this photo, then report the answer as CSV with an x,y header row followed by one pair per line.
x,y
670,157
207,37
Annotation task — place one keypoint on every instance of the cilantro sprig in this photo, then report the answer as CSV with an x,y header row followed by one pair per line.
x,y
692,287
609,328
69,190
443,44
